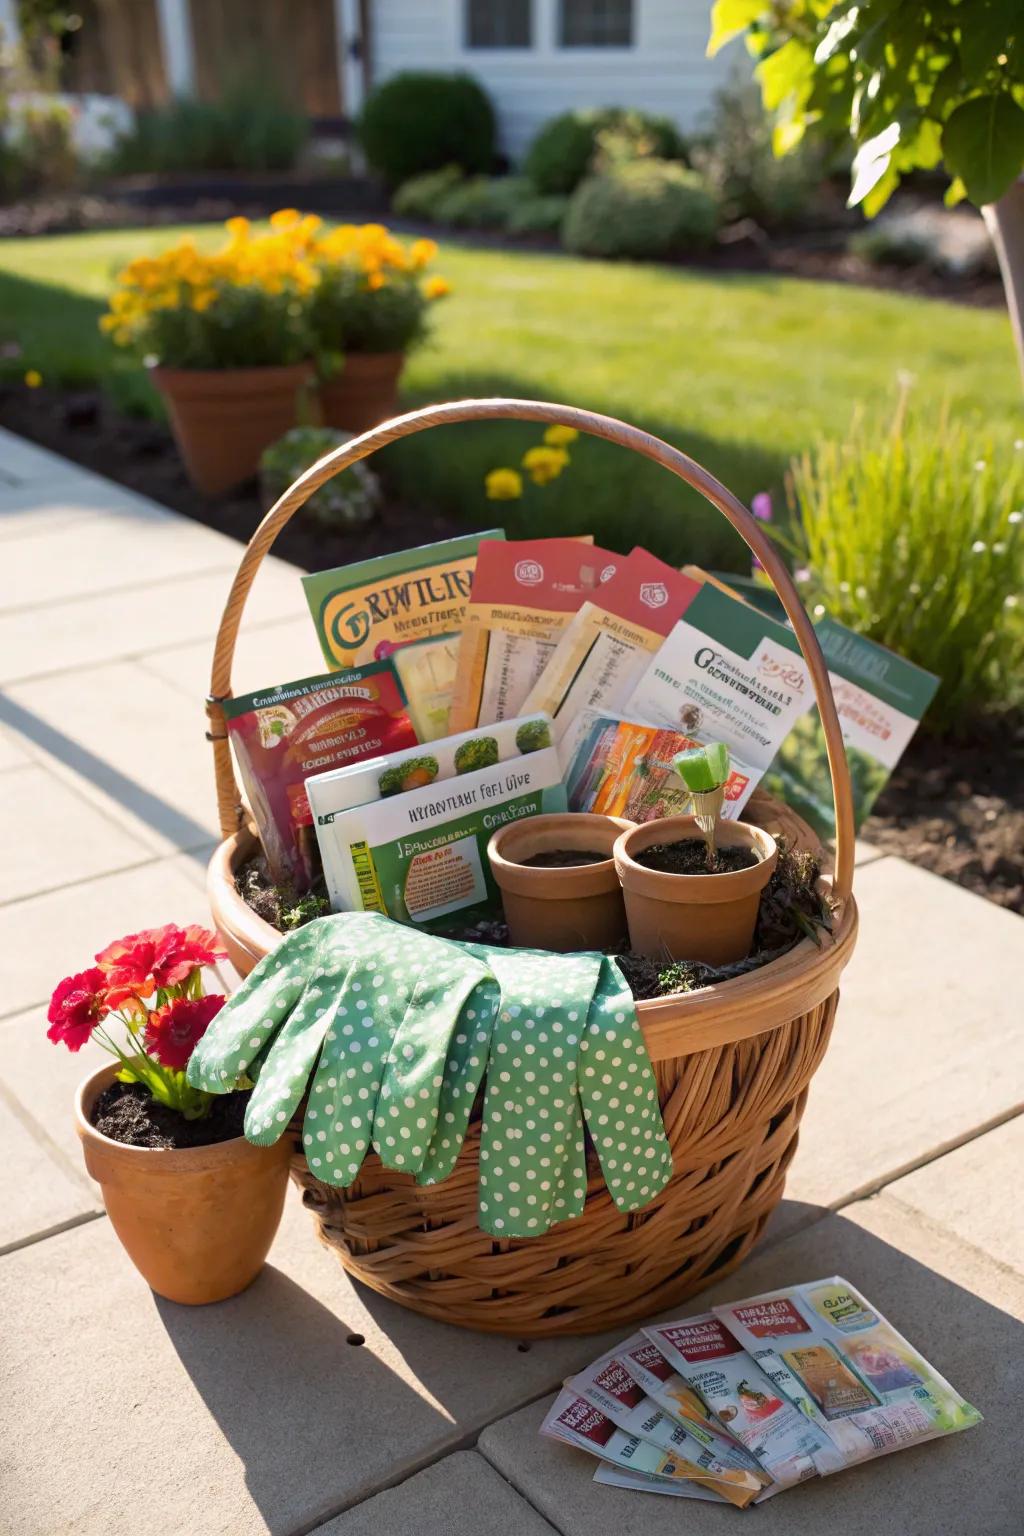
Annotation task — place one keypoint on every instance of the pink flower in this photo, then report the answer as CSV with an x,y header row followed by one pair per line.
x,y
76,1007
761,506
174,1031
157,957
182,951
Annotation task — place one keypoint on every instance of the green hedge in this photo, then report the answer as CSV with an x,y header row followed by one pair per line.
x,y
644,209
424,122
564,149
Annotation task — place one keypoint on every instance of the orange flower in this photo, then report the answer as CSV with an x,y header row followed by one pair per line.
x,y
436,287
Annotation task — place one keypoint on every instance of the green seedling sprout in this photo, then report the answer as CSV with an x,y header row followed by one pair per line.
x,y
704,771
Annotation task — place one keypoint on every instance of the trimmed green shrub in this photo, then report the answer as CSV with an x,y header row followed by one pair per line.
x,y
564,149
482,202
537,215
249,128
743,171
347,500
418,197
422,122
644,209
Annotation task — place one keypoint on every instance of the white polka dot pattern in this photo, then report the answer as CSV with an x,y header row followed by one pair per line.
x,y
392,1032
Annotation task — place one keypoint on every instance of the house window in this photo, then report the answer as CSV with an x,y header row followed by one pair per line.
x,y
499,23
596,24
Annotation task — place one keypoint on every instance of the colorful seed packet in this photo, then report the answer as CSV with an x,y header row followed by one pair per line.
x,y
618,767
605,647
419,853
786,1444
410,605
823,1342
283,736
524,595
645,1482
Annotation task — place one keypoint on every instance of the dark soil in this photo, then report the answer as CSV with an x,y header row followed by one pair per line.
x,y
86,427
690,857
563,858
280,905
957,808
126,1113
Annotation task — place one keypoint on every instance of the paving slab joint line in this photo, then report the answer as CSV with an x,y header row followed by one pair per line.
x,y
938,1229
83,1219
43,1139
226,570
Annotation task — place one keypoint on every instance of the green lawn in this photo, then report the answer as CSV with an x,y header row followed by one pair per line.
x,y
741,371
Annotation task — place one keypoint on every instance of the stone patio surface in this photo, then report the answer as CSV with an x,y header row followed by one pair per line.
x,y
309,1404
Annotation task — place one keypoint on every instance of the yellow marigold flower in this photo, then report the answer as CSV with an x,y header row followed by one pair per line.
x,y
560,437
504,485
422,252
436,287
285,218
202,298
375,280
544,464
238,228
33,378
109,323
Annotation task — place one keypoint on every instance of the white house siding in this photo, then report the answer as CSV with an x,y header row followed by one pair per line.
x,y
665,71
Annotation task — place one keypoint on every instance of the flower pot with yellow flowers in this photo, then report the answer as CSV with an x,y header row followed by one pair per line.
x,y
227,339
369,310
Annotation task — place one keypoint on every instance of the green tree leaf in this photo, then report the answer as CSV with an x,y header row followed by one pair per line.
x,y
729,18
983,144
871,162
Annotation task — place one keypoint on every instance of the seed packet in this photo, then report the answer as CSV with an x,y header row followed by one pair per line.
x,y
411,605
786,1444
282,736
576,1421
726,673
647,1366
523,596
873,1390
646,1482
609,1386
604,649
620,768
420,854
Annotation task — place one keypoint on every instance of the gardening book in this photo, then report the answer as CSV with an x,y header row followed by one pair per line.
x,y
415,847
282,736
523,596
606,645
411,604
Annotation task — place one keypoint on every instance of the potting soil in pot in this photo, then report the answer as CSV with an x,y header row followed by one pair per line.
x,y
689,857
563,858
392,1032
126,1112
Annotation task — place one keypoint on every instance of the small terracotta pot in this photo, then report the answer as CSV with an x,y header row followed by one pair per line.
x,y
196,1223
223,418
564,909
364,393
693,917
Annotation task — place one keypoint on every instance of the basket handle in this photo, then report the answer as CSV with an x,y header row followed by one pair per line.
x,y
229,804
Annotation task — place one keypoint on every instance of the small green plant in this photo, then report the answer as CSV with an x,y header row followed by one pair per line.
x,y
564,150
418,122
419,197
482,202
250,127
644,209
533,735
481,752
539,214
913,537
741,168
346,501
704,770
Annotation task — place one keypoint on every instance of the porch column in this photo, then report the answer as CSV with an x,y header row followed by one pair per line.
x,y
175,22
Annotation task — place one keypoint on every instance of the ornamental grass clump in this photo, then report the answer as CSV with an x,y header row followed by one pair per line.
x,y
150,984
913,537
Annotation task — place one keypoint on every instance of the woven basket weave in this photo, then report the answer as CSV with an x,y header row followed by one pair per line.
x,y
733,1061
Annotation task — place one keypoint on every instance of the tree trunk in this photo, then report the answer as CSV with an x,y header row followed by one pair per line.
x,y
1005,220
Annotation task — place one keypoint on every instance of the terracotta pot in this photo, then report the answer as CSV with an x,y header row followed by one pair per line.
x,y
693,917
223,418
196,1223
364,393
571,908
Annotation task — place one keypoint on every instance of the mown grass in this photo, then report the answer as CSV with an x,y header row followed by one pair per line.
x,y
741,371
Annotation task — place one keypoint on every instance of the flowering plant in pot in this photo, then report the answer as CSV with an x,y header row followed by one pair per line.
x,y
692,884
226,336
370,309
194,1204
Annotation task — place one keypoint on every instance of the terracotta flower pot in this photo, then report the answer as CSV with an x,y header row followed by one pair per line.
x,y
196,1223
572,907
364,393
693,917
223,418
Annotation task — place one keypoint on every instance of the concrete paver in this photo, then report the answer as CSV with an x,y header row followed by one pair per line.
x,y
265,654
73,842
460,1494
40,1193
959,1308
975,1192
278,1420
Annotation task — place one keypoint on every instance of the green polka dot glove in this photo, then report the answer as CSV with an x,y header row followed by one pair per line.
x,y
392,1031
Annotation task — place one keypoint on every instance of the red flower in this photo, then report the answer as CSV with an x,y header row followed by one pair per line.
x,y
76,1007
173,1032
157,957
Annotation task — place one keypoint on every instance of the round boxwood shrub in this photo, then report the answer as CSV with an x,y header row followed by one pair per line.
x,y
423,122
646,208
561,154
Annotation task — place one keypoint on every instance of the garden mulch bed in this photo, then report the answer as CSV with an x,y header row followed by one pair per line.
x,y
954,808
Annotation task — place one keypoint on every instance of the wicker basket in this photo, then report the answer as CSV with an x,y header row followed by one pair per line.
x,y
733,1061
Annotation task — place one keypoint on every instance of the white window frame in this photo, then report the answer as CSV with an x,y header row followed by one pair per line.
x,y
590,51
499,50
